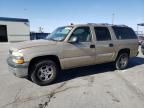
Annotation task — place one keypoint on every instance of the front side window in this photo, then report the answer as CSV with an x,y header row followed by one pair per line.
x,y
59,34
83,34
102,34
124,33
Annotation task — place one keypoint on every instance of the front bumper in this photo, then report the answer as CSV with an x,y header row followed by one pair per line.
x,y
19,70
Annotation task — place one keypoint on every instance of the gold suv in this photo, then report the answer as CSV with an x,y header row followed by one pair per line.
x,y
70,47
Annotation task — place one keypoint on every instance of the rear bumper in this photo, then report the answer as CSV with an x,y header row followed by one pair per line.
x,y
19,70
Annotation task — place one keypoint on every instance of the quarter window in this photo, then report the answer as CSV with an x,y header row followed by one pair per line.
x,y
102,34
124,33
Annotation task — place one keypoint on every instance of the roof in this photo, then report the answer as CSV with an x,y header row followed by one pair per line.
x,y
13,19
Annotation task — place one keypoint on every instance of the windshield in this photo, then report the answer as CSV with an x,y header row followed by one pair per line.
x,y
59,34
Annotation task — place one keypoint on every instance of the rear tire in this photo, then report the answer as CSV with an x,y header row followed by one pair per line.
x,y
44,72
122,61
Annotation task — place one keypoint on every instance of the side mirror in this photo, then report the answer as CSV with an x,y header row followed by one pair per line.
x,y
73,39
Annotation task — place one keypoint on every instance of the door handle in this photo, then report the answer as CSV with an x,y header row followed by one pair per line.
x,y
111,45
92,46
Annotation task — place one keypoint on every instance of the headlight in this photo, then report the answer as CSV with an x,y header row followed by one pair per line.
x,y
17,54
17,57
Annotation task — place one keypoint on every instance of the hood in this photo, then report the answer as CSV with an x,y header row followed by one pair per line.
x,y
33,43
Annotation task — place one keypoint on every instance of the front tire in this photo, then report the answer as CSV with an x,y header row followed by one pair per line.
x,y
44,72
122,61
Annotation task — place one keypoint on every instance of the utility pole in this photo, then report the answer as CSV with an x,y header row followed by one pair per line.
x,y
40,29
113,18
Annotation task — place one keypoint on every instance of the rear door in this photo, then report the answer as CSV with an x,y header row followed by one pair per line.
x,y
104,45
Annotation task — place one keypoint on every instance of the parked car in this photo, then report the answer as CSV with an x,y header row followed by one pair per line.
x,y
142,48
140,39
70,47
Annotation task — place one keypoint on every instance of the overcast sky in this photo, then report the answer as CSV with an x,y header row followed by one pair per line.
x,y
50,14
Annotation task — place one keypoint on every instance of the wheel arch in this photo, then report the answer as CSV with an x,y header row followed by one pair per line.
x,y
46,57
125,50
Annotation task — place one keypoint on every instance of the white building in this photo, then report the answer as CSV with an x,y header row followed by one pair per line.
x,y
14,29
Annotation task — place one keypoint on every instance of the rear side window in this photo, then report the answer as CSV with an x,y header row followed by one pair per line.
x,y
102,34
124,33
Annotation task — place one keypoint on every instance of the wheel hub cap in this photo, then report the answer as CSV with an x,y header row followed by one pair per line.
x,y
45,73
123,61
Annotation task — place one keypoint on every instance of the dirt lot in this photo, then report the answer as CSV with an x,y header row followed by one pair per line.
x,y
97,86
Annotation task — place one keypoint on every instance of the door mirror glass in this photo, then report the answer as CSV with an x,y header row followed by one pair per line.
x,y
73,39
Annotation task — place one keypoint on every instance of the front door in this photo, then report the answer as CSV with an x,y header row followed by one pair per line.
x,y
81,53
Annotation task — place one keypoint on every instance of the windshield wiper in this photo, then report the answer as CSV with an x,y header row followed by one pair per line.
x,y
51,39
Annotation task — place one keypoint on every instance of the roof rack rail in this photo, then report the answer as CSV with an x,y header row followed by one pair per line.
x,y
122,25
107,24
100,24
